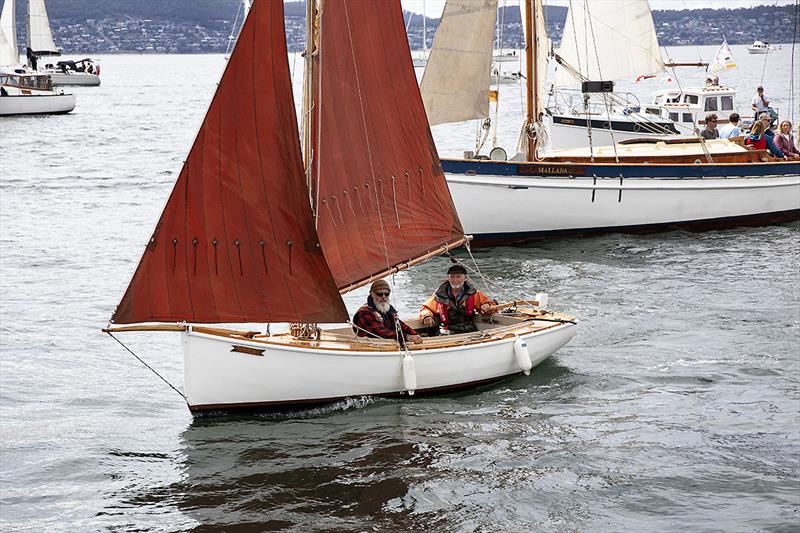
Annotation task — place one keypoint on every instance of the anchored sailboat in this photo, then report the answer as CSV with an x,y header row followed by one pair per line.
x,y
659,184
41,47
249,235
23,92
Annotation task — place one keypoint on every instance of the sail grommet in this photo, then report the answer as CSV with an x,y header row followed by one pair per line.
x,y
522,356
409,374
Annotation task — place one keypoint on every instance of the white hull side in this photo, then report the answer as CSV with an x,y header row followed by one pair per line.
x,y
36,104
79,78
493,205
217,378
564,137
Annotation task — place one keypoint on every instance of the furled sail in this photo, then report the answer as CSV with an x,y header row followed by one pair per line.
x,y
40,37
236,241
9,53
381,197
456,80
609,40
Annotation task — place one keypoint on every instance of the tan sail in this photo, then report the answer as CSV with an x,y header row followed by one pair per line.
x,y
456,80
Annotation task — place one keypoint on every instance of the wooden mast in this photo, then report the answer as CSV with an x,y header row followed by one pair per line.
x,y
531,78
308,102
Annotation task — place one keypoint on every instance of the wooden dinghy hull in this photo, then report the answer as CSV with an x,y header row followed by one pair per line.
x,y
225,374
511,203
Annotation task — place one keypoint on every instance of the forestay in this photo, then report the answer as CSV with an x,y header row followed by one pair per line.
x,y
456,80
40,37
236,241
609,40
381,198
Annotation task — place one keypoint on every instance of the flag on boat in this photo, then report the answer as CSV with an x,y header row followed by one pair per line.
x,y
723,59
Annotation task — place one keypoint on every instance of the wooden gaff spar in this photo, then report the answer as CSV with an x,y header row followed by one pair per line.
x,y
239,242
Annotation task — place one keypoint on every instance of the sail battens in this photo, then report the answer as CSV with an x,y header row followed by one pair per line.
x,y
609,40
457,75
372,144
238,203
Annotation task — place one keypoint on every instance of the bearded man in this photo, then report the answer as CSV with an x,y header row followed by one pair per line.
x,y
454,305
379,319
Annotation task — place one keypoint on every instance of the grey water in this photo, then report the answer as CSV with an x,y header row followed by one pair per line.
x,y
677,406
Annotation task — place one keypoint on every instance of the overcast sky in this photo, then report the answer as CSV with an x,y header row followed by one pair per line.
x,y
433,8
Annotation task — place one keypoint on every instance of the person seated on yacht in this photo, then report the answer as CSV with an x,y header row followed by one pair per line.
x,y
378,318
766,119
732,128
759,140
455,303
784,140
710,131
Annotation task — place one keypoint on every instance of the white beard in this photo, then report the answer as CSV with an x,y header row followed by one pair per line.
x,y
383,307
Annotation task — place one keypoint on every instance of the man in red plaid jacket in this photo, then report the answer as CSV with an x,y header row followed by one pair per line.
x,y
379,319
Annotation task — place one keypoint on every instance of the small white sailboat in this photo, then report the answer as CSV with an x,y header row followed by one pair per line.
x,y
610,40
249,235
41,45
420,57
23,92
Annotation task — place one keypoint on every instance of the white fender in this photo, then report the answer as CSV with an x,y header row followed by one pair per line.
x,y
409,374
522,355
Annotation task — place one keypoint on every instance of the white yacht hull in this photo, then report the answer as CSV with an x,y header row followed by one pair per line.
x,y
34,104
566,132
498,209
77,78
220,379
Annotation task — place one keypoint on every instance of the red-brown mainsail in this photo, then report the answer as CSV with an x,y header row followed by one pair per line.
x,y
236,241
382,199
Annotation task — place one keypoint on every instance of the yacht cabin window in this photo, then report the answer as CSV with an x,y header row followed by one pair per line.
x,y
711,104
691,99
687,117
727,103
673,116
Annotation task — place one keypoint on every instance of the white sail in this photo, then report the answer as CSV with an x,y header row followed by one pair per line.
x,y
9,53
456,80
609,40
40,37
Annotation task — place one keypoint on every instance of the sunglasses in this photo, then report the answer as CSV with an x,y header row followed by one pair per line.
x,y
382,294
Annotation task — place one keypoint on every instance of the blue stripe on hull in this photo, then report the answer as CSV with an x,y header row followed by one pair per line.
x,y
633,170
499,239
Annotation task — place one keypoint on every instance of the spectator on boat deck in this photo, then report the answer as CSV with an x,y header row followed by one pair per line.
x,y
760,102
760,141
455,303
766,119
732,129
710,131
785,140
379,319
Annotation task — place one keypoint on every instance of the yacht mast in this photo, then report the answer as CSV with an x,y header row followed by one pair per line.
x,y
308,103
531,72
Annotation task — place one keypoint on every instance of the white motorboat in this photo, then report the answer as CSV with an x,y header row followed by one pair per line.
x,y
41,45
760,47
84,72
26,93
250,235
